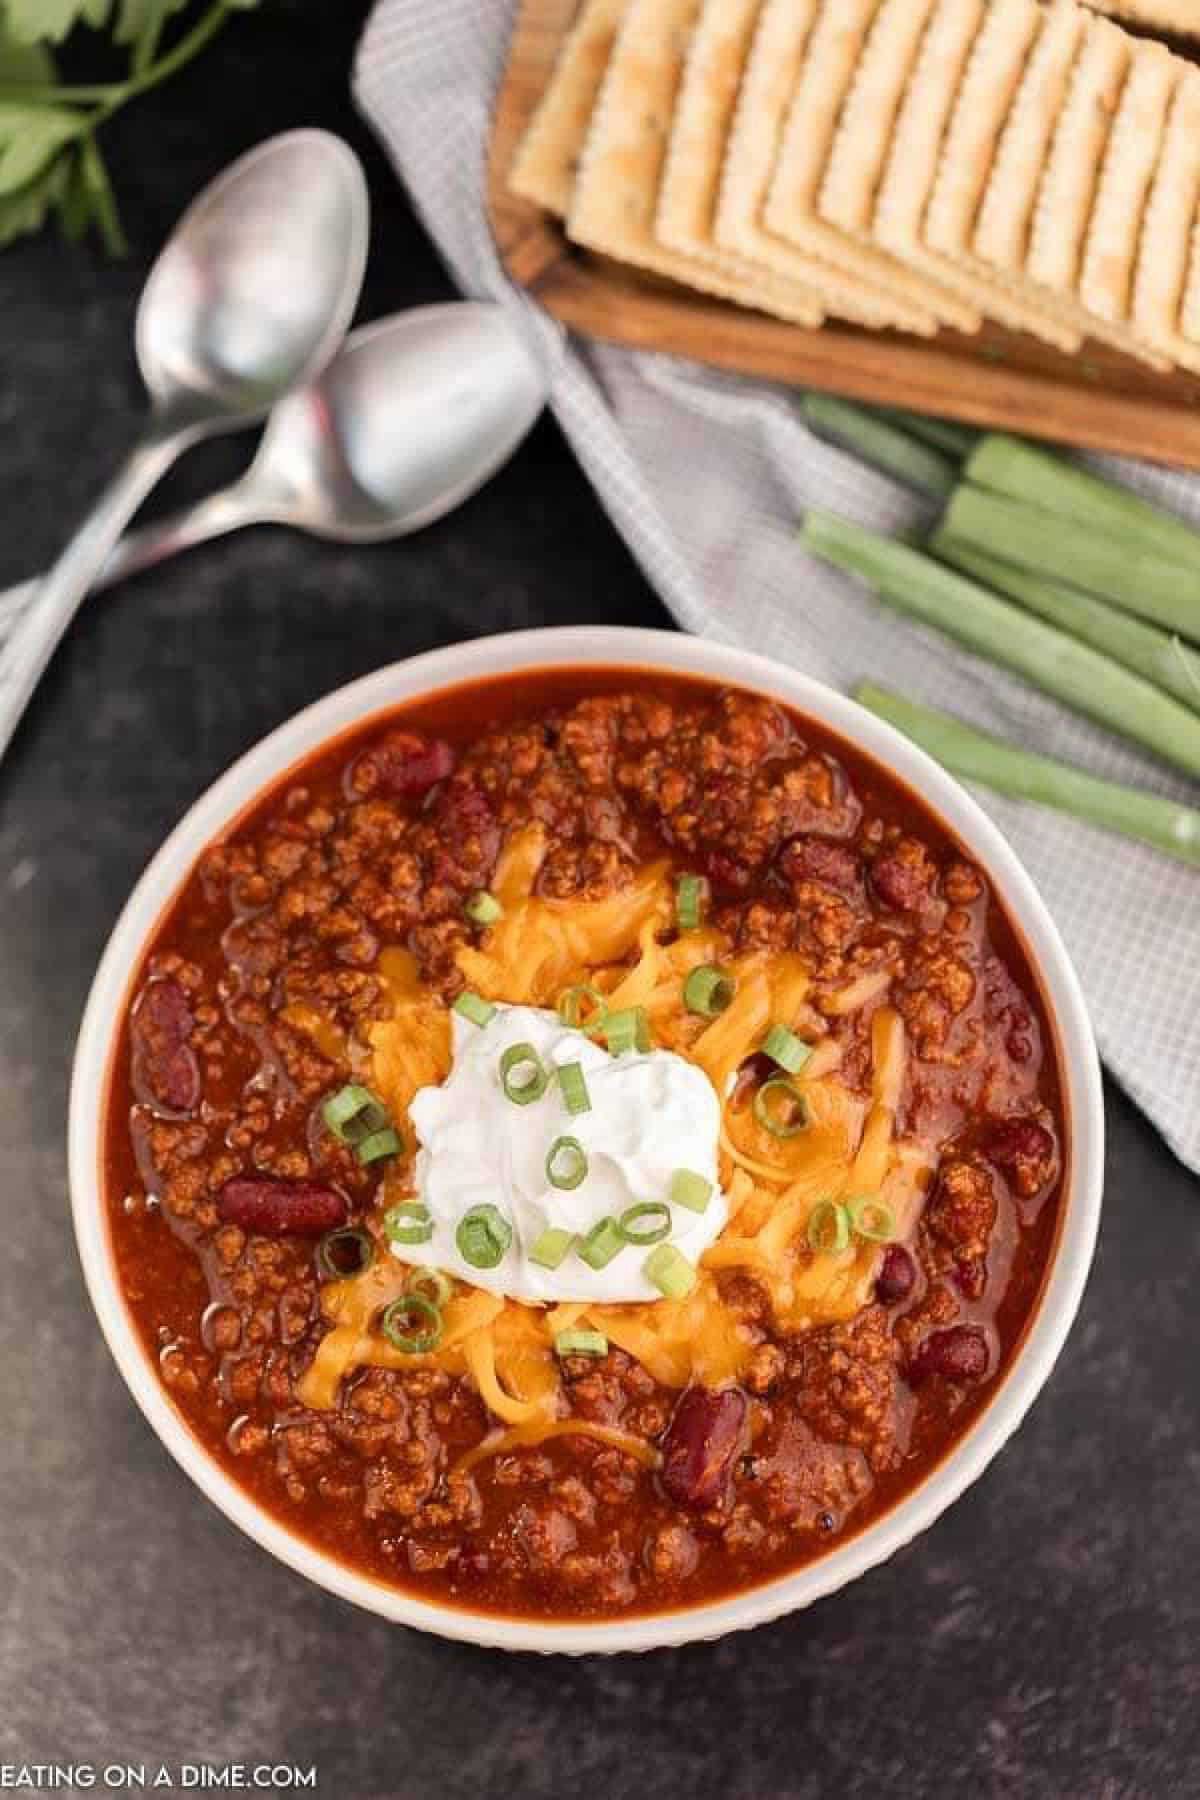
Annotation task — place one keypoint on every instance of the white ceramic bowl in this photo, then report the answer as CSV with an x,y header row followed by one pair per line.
x,y
634,649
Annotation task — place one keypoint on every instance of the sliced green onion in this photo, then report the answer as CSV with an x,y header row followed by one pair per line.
x,y
1073,672
566,1163
380,1144
483,1236
412,1324
828,1226
627,1030
571,1004
671,1273
877,442
522,1074
476,1010
431,1284
1024,471
944,434
354,1113
483,908
580,1343
574,1088
1103,562
649,1222
691,1190
550,1250
408,1223
780,1107
872,1218
708,991
690,894
786,1049
1158,656
601,1244
1023,774
343,1106
346,1252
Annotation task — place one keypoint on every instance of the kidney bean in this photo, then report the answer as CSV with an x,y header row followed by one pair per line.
x,y
1016,1141
960,1353
469,832
408,764
817,859
903,877
897,1275
281,1208
962,1208
163,1060
704,1439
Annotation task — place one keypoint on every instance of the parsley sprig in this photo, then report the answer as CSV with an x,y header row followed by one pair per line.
x,y
50,157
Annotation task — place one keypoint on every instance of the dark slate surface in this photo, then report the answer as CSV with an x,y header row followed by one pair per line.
x,y
1041,1640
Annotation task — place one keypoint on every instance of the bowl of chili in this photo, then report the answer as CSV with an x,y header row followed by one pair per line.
x,y
794,899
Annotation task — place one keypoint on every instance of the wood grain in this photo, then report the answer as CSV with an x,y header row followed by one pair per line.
x,y
1098,400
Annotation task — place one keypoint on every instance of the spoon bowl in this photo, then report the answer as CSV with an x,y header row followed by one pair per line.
x,y
251,296
257,285
413,415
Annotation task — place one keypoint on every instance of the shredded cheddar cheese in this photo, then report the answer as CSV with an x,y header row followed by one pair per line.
x,y
538,948
498,1443
328,1037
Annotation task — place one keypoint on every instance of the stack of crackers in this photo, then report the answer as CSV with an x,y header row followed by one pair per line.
x,y
905,164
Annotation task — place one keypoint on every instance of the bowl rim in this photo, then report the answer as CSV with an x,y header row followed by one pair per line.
x,y
614,647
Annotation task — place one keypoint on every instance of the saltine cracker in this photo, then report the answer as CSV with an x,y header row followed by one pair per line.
x,y
1110,252
620,171
1005,218
858,154
910,177
826,76
768,80
1168,229
1064,203
546,161
687,201
1022,53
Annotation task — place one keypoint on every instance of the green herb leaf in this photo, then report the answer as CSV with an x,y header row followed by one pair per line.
x,y
140,23
33,21
49,156
24,65
30,138
26,210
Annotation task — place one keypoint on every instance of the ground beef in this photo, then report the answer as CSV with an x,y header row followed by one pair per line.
x,y
958,1222
904,875
846,1386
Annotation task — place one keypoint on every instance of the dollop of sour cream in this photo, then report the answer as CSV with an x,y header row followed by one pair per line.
x,y
651,1114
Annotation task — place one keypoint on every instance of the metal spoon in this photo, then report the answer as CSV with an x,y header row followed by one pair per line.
x,y
413,414
250,298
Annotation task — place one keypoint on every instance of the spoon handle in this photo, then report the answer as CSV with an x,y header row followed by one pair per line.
x,y
227,510
62,590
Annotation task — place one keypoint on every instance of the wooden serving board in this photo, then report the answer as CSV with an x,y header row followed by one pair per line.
x,y
1099,399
